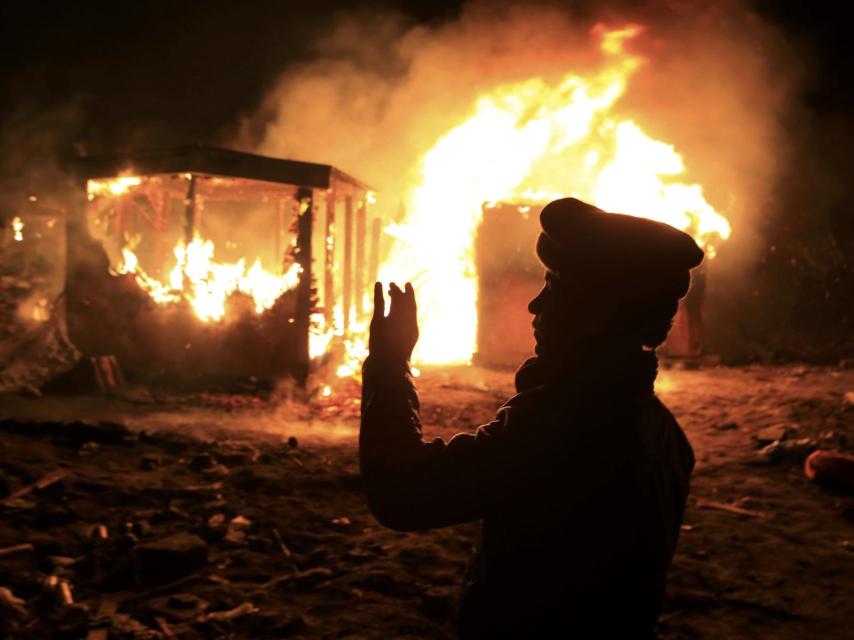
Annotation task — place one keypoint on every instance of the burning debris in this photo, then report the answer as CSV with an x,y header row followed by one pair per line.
x,y
166,268
34,345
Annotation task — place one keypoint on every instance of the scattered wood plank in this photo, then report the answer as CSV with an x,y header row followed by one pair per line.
x,y
231,614
103,619
42,483
730,508
285,550
165,628
17,548
159,590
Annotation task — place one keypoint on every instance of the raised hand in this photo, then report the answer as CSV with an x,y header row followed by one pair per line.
x,y
393,337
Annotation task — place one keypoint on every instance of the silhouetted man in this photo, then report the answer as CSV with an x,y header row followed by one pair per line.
x,y
580,482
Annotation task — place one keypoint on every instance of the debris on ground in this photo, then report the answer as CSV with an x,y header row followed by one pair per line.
x,y
11,604
146,535
169,558
831,468
788,451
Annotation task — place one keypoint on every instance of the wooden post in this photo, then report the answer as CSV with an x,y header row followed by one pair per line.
x,y
348,259
158,199
129,216
359,283
280,218
303,258
329,262
376,234
199,214
190,211
121,214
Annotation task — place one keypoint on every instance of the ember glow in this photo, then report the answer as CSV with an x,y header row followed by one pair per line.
x,y
527,142
18,229
355,351
114,186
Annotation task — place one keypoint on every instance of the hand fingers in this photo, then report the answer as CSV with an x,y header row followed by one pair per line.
x,y
394,294
379,301
410,297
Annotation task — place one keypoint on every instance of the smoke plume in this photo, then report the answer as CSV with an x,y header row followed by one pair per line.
x,y
380,91
717,84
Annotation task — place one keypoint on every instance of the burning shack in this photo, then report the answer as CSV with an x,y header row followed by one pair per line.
x,y
197,263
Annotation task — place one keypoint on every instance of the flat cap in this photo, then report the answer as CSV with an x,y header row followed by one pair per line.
x,y
632,256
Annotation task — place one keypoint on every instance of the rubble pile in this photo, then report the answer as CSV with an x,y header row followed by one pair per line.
x,y
31,352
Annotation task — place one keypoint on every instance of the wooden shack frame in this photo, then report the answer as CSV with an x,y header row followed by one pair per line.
x,y
328,209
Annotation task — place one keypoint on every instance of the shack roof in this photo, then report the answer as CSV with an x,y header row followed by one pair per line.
x,y
215,161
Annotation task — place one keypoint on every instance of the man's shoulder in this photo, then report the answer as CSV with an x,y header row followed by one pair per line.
x,y
531,403
655,409
662,435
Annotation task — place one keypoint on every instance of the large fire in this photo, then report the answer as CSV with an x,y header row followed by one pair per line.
x,y
532,141
527,142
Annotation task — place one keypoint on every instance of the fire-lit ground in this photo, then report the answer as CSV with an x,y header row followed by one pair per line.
x,y
763,553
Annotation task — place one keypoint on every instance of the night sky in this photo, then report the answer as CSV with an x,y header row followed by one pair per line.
x,y
155,73
177,72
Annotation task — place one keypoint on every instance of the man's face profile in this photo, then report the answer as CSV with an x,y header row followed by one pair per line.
x,y
568,308
545,307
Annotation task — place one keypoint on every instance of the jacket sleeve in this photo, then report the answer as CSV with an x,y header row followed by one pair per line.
x,y
412,484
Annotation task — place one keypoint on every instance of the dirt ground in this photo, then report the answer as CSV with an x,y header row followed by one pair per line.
x,y
276,540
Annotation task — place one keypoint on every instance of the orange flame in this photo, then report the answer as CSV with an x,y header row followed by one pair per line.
x,y
206,283
111,186
528,142
532,141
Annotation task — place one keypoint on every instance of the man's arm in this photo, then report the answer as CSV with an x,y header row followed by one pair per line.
x,y
410,484
414,485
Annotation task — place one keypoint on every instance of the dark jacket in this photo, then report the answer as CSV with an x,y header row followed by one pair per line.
x,y
580,483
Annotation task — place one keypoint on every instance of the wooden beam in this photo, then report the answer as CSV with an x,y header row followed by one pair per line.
x,y
329,262
216,162
164,213
190,210
281,207
303,258
376,235
359,280
348,259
